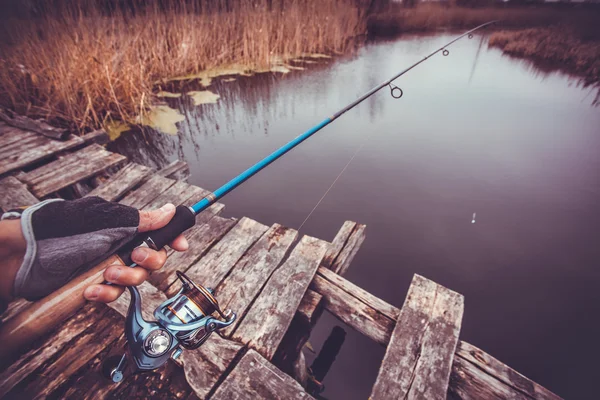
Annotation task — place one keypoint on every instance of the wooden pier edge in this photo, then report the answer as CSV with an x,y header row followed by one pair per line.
x,y
474,374
418,358
424,356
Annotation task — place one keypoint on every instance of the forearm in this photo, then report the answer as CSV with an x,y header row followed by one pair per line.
x,y
12,251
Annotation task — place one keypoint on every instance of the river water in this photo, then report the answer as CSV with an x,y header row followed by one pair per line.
x,y
475,132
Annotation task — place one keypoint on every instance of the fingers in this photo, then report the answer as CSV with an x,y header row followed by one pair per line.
x,y
121,276
155,219
179,244
125,276
103,293
148,258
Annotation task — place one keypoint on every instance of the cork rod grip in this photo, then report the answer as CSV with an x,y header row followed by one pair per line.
x,y
43,315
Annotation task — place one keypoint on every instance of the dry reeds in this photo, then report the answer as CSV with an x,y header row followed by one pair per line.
x,y
87,64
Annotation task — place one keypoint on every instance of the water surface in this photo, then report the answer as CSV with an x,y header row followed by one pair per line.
x,y
476,132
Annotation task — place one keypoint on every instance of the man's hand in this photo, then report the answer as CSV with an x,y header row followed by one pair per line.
x,y
53,241
146,259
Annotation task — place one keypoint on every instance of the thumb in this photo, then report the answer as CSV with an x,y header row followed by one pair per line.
x,y
155,219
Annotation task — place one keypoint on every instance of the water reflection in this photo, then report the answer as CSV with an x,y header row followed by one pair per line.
x,y
475,132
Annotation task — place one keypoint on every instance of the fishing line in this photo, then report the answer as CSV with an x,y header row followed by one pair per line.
x,y
333,184
185,217
396,92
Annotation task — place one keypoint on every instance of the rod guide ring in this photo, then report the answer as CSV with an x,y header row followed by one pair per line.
x,y
395,91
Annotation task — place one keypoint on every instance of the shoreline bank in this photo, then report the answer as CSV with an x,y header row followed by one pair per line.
x,y
83,67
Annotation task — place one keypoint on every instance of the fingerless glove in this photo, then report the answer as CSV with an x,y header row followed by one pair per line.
x,y
66,238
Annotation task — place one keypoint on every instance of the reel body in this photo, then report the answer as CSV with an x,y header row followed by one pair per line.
x,y
184,321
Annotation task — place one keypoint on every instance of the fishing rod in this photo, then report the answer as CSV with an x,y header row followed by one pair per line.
x,y
185,216
187,319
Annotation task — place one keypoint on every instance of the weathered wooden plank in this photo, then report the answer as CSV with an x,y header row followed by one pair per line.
x,y
251,272
372,301
41,148
346,255
15,194
88,382
338,243
218,261
146,193
268,319
353,312
202,237
128,177
311,307
14,308
255,378
21,146
9,134
418,359
176,194
63,163
205,366
74,356
70,169
178,170
29,124
488,379
477,375
342,250
98,136
289,357
54,344
207,214
167,382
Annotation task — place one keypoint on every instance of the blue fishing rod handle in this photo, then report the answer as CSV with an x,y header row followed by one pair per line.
x,y
183,220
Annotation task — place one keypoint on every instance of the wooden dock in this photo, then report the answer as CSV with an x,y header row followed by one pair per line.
x,y
277,282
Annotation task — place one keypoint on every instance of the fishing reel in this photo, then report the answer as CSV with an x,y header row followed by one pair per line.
x,y
184,321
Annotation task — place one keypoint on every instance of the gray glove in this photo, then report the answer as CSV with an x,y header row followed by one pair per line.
x,y
66,238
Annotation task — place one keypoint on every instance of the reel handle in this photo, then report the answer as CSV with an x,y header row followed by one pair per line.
x,y
183,220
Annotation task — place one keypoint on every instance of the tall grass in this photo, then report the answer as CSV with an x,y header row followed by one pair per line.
x,y
90,62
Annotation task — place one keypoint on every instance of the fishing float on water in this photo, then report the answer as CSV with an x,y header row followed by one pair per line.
x,y
185,320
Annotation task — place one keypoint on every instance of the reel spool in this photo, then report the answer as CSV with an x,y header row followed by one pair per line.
x,y
184,321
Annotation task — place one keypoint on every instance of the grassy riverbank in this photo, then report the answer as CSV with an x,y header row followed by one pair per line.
x,y
564,35
559,45
87,65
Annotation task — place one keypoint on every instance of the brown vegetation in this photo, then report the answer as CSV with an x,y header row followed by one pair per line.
x,y
89,64
92,62
557,44
565,35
